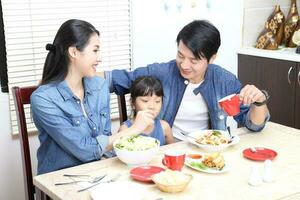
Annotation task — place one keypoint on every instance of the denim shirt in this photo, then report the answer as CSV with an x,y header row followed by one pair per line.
x,y
217,84
67,136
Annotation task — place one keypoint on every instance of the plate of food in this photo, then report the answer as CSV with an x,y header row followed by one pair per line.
x,y
213,163
136,150
212,140
171,181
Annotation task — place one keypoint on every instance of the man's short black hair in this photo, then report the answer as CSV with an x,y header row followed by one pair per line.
x,y
201,37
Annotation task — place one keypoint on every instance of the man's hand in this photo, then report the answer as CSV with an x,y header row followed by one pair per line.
x,y
250,94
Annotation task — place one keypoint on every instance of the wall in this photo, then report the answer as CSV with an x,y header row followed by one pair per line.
x,y
11,181
154,33
155,29
256,12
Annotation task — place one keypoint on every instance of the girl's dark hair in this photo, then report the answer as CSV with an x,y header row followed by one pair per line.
x,y
144,86
73,32
201,37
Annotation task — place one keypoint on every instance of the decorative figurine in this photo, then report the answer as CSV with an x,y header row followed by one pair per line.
x,y
290,25
272,34
296,39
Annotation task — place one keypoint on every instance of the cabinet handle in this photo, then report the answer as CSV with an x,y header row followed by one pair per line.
x,y
298,77
289,73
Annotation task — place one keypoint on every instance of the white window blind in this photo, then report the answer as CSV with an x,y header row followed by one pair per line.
x,y
30,24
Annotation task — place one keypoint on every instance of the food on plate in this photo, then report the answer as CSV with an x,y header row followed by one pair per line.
x,y
210,161
194,156
171,181
198,165
214,160
136,143
136,150
171,177
212,137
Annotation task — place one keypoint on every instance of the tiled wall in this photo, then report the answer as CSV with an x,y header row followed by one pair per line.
x,y
256,12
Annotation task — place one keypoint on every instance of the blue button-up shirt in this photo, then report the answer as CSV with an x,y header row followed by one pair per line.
x,y
68,134
217,84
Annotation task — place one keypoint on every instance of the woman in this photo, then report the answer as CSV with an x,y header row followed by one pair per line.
x,y
71,106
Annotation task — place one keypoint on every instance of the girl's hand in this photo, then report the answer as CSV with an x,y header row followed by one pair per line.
x,y
143,119
250,94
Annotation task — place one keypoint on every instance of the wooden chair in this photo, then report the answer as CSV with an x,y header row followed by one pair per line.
x,y
22,97
122,108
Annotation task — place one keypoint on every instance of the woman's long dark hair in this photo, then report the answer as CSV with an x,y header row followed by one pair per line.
x,y
73,32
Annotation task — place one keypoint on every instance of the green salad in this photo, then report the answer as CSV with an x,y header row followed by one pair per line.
x,y
136,143
216,133
202,166
198,165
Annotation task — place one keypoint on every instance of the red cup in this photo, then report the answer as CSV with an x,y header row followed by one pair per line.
x,y
230,104
174,160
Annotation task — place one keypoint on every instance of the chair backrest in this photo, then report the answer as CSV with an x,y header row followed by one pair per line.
x,y
122,108
22,97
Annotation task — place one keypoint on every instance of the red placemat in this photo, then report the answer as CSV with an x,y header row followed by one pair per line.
x,y
261,154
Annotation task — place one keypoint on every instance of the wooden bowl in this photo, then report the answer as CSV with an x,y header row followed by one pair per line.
x,y
172,187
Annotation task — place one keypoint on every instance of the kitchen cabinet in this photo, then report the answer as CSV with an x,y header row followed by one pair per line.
x,y
281,78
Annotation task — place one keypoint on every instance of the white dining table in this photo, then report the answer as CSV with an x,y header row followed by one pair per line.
x,y
232,184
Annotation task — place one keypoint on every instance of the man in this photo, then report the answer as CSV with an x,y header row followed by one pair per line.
x,y
193,85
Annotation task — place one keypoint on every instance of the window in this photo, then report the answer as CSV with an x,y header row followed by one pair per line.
x,y
30,24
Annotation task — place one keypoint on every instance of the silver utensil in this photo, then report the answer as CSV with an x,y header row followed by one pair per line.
x,y
188,135
108,181
253,150
231,137
94,180
76,175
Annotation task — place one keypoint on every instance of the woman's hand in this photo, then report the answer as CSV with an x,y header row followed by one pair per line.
x,y
250,94
142,120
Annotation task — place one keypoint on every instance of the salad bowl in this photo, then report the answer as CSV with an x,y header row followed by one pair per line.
x,y
136,150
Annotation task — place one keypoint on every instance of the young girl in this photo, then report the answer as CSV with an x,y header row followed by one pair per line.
x,y
71,106
147,93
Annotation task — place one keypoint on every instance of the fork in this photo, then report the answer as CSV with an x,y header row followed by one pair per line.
x,y
108,181
94,180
